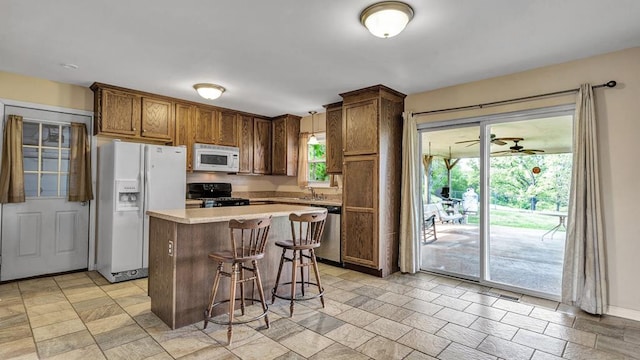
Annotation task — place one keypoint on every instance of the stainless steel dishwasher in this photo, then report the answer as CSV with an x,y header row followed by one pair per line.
x,y
331,247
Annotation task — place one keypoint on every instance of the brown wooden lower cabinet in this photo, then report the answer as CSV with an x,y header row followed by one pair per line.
x,y
180,282
360,211
359,235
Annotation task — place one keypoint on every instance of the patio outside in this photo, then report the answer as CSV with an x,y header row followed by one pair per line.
x,y
518,256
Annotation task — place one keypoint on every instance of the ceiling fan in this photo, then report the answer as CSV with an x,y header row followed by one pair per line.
x,y
494,140
518,149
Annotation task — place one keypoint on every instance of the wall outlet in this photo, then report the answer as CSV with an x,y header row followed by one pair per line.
x,y
170,248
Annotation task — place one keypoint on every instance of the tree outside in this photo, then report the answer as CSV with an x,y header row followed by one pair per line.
x,y
513,181
317,163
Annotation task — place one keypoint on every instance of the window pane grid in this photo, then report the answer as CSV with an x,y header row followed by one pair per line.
x,y
46,159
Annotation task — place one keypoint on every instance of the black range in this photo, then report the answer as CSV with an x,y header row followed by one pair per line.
x,y
214,194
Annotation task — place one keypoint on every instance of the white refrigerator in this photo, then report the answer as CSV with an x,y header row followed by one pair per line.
x,y
134,178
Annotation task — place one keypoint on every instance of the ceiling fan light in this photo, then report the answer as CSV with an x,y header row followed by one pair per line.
x,y
386,19
209,91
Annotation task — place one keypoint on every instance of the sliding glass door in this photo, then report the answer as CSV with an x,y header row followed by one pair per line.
x,y
495,198
529,180
450,201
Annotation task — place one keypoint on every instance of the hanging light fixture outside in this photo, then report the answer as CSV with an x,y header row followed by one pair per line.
x,y
386,19
209,91
313,140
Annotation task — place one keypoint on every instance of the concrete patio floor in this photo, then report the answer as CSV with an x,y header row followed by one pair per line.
x,y
518,257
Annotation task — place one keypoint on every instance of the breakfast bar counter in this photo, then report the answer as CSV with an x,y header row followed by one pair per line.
x,y
180,272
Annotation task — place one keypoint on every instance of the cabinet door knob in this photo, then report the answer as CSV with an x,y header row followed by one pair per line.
x,y
134,129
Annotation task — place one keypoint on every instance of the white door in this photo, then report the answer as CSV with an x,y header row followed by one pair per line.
x,y
46,234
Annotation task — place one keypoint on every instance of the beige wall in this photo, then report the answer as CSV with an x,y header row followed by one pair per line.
x,y
618,119
41,91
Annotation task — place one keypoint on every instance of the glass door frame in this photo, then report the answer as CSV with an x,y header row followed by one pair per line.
x,y
484,122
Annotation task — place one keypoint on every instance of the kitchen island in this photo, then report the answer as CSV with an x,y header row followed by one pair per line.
x,y
180,272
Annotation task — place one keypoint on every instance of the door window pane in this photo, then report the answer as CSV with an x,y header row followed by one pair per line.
x,y
66,135
64,161
64,185
49,185
49,160
30,133
30,161
31,185
50,135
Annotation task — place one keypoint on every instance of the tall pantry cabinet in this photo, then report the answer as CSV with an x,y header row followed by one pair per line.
x,y
372,143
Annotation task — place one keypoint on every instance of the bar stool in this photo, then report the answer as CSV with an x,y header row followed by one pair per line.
x,y
306,233
248,240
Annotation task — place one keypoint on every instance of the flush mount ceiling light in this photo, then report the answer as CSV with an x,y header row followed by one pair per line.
x,y
209,91
313,140
386,19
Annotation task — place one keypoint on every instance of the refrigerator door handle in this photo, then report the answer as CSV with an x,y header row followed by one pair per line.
x,y
146,192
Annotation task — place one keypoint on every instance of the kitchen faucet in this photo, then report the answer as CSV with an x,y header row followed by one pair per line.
x,y
313,193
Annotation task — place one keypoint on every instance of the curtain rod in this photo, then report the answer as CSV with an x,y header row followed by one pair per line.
x,y
608,84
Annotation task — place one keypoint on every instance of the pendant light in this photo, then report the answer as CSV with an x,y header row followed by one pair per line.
x,y
312,139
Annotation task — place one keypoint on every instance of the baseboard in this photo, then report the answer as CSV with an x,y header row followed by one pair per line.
x,y
363,269
623,313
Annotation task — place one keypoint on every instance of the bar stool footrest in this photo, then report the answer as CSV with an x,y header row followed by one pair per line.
x,y
235,322
310,297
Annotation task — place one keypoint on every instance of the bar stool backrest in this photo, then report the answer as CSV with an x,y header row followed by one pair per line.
x,y
249,237
307,229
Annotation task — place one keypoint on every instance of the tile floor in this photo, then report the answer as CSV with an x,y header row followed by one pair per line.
x,y
422,316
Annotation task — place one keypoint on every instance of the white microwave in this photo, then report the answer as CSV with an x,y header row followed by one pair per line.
x,y
216,158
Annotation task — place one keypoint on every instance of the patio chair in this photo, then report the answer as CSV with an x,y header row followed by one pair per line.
x,y
429,229
445,217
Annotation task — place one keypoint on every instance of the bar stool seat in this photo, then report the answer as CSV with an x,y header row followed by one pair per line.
x,y
248,241
306,233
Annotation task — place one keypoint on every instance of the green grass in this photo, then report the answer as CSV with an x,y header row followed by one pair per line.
x,y
518,219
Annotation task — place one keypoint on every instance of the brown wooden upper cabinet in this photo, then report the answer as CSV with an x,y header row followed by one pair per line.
x,y
227,129
261,146
215,127
204,125
360,127
157,119
245,143
184,120
285,138
334,138
130,114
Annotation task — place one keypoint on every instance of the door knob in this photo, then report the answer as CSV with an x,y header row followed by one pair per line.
x,y
83,203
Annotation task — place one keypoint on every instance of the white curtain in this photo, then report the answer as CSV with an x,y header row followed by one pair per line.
x,y
410,214
303,160
584,282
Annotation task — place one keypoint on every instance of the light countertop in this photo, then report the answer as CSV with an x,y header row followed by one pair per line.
x,y
193,202
219,214
291,200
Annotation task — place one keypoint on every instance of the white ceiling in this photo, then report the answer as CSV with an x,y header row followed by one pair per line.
x,y
292,56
